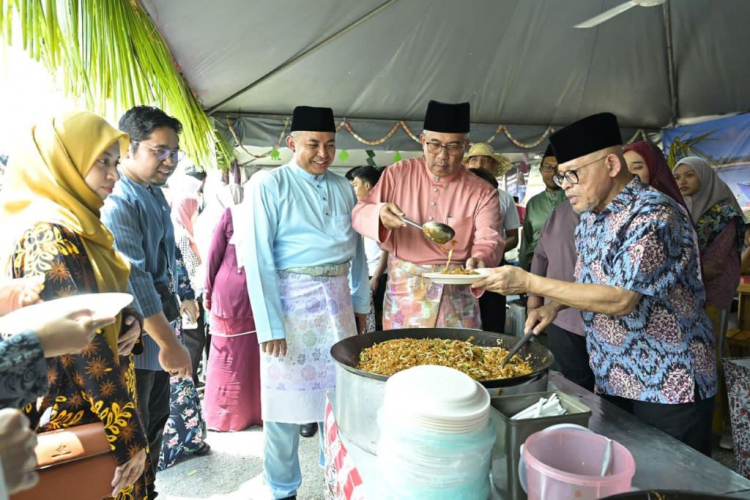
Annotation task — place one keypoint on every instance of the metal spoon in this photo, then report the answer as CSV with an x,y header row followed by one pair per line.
x,y
527,336
434,231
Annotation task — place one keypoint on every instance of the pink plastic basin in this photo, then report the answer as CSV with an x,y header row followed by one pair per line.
x,y
566,464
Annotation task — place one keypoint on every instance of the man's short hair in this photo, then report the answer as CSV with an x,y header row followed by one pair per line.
x,y
350,174
367,174
195,172
141,121
486,176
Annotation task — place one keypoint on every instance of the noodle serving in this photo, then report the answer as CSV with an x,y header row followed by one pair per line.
x,y
480,363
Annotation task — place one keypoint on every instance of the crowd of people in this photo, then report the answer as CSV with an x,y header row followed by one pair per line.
x,y
629,267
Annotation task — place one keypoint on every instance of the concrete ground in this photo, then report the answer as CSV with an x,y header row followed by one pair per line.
x,y
234,470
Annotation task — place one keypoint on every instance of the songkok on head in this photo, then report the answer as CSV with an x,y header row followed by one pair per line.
x,y
586,136
310,119
549,152
448,118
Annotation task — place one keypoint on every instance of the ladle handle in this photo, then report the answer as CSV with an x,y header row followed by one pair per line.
x,y
527,336
412,223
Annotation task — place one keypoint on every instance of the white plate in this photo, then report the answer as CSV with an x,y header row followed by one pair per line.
x,y
457,279
102,305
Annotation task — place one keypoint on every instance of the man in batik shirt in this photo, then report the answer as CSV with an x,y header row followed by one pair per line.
x,y
638,287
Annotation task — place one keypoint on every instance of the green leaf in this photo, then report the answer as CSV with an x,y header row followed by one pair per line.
x,y
109,53
397,157
344,155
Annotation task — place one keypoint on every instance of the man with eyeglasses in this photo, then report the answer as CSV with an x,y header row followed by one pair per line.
x,y
307,281
539,208
437,188
138,215
638,287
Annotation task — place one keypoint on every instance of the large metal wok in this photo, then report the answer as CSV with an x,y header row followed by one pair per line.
x,y
347,351
359,394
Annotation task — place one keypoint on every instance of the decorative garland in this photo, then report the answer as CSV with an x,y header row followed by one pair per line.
x,y
270,152
501,129
377,142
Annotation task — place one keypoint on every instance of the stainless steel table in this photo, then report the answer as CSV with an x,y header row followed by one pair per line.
x,y
662,462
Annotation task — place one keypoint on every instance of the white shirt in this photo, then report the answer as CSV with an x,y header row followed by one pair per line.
x,y
372,254
508,211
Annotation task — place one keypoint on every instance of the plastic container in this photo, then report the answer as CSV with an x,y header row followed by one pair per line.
x,y
435,437
567,463
511,434
428,465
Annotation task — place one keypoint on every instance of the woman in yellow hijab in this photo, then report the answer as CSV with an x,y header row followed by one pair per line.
x,y
55,186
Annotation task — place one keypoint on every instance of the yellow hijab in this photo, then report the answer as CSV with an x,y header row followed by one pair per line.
x,y
45,183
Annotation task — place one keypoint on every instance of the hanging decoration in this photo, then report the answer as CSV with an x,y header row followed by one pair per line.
x,y
273,152
640,134
371,157
397,157
408,131
344,155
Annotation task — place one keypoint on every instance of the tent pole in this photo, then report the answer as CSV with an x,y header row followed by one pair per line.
x,y
303,55
673,92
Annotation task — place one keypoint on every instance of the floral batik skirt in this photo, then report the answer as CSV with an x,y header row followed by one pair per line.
x,y
317,312
185,431
412,301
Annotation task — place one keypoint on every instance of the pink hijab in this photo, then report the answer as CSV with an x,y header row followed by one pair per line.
x,y
659,174
183,210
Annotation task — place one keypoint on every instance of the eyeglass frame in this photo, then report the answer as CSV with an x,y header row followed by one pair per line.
x,y
176,155
559,178
460,148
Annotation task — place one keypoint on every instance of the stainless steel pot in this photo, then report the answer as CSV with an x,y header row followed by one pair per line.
x,y
359,394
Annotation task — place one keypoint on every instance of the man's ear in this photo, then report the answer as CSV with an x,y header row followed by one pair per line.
x,y
615,164
290,143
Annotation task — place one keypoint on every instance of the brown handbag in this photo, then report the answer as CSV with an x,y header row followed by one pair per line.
x,y
74,464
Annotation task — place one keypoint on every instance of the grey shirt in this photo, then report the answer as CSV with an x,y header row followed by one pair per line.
x,y
555,257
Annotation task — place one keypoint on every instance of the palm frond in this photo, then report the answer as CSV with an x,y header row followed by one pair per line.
x,y
681,147
109,52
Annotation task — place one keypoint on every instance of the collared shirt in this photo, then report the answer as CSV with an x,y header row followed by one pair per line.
x,y
463,201
663,351
555,257
139,219
538,210
372,253
299,220
508,212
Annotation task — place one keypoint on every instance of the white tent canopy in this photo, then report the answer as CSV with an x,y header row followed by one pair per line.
x,y
519,62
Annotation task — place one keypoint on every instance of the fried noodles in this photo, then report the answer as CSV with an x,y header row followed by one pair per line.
x,y
480,363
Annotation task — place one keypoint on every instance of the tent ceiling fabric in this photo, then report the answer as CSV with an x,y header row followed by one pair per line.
x,y
519,62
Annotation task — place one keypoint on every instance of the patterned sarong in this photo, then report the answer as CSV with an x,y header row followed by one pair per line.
x,y
412,301
318,313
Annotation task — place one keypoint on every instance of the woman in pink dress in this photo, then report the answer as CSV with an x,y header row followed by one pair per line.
x,y
232,399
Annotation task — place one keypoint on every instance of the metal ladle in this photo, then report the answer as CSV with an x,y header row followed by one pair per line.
x,y
434,231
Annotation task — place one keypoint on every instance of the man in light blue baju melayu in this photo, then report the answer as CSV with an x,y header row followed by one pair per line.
x,y
307,280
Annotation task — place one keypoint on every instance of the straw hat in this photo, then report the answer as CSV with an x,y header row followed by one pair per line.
x,y
502,164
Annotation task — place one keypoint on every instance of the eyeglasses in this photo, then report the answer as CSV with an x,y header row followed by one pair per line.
x,y
435,148
572,175
548,168
162,154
